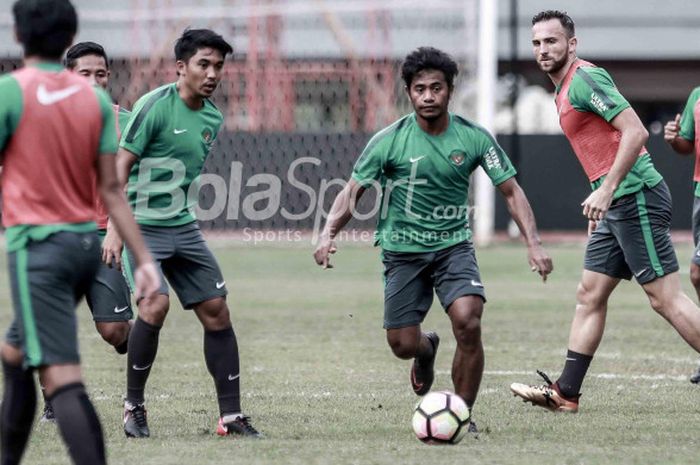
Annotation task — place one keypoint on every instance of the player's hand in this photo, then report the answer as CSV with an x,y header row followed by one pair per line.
x,y
672,128
112,249
591,227
326,247
597,204
539,261
146,280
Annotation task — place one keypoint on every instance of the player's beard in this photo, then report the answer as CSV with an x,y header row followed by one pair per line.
x,y
556,65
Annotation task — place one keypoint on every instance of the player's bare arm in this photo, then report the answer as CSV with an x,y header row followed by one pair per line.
x,y
679,144
112,192
633,137
521,212
341,212
112,245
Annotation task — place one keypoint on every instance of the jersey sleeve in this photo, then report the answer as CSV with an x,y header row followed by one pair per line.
x,y
493,158
688,117
10,108
108,138
370,165
124,116
593,90
143,124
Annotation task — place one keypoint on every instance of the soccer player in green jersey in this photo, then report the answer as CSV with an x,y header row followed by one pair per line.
x,y
57,136
108,298
423,162
683,134
629,210
162,152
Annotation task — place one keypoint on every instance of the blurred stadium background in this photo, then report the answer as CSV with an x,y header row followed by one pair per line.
x,y
315,78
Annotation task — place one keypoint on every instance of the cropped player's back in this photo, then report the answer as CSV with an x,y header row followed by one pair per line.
x,y
49,162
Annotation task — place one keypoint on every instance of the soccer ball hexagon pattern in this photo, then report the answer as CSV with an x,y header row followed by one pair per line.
x,y
441,417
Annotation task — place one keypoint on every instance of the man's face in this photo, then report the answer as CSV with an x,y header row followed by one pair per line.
x,y
551,46
429,94
202,73
94,68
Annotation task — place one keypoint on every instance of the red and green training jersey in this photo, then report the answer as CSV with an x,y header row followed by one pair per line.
x,y
121,116
587,101
53,124
690,130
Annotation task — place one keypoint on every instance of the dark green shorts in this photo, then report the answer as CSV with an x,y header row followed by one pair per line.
x,y
109,298
409,280
48,279
634,239
696,230
182,256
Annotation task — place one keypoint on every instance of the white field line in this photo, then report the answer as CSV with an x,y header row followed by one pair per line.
x,y
321,394
637,377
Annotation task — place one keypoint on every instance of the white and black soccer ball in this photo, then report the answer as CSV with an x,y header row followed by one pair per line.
x,y
441,417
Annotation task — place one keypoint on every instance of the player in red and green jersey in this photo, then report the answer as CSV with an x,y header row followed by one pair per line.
x,y
108,297
56,135
683,134
422,163
629,210
162,151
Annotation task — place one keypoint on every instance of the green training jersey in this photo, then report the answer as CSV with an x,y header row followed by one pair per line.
x,y
171,142
424,181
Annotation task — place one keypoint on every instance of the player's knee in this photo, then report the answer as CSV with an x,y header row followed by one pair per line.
x,y
402,347
214,314
153,310
586,298
113,333
10,354
467,331
695,276
661,303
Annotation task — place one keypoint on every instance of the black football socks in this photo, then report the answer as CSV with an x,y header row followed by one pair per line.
x,y
143,346
221,355
574,371
79,425
17,412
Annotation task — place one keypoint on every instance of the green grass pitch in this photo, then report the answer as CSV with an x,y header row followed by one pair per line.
x,y
321,383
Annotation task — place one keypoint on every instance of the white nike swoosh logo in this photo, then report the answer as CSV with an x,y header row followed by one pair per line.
x,y
119,310
477,284
138,368
220,285
49,98
179,131
231,378
413,160
637,275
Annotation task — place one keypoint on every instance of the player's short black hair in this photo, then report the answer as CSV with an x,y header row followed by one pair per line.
x,y
195,39
45,28
565,20
82,49
428,58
